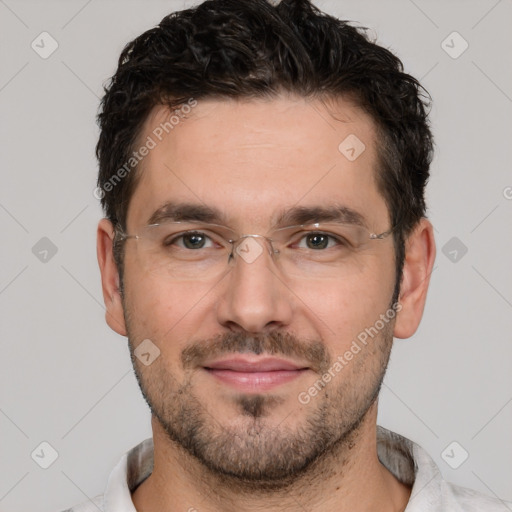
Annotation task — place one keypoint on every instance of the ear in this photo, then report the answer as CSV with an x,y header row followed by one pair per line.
x,y
420,253
114,314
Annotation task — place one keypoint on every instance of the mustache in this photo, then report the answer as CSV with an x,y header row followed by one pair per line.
x,y
273,343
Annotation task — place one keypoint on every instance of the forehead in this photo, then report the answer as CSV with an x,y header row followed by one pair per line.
x,y
253,159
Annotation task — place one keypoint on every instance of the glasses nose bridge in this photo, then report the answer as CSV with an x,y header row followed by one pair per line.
x,y
235,244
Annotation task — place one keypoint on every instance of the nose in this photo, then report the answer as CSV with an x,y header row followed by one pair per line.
x,y
254,296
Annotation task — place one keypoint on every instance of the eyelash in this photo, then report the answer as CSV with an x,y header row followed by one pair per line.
x,y
337,240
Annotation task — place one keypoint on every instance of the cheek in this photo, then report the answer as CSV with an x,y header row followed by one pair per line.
x,y
159,308
342,310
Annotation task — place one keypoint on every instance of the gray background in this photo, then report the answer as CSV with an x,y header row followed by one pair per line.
x,y
66,378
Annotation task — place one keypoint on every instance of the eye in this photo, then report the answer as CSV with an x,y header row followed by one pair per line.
x,y
190,240
319,241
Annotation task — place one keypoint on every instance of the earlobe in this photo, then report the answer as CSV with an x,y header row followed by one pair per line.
x,y
114,314
420,252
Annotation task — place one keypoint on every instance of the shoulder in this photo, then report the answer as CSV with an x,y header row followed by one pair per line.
x,y
413,466
93,505
459,498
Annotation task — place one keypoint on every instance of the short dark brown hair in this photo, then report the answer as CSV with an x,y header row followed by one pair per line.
x,y
256,49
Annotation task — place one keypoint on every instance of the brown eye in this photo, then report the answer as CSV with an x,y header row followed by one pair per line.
x,y
317,241
194,240
190,240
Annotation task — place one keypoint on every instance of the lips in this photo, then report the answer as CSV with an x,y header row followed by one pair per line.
x,y
254,374
239,364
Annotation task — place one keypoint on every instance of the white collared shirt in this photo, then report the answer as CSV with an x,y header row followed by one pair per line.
x,y
405,459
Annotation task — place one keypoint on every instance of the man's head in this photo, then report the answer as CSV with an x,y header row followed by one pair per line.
x,y
256,118
250,49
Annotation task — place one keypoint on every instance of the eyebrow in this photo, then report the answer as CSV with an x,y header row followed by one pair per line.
x,y
192,212
309,214
188,212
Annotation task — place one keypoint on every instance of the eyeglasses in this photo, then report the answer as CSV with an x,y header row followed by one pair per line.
x,y
199,251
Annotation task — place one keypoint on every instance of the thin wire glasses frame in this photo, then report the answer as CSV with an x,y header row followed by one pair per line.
x,y
162,251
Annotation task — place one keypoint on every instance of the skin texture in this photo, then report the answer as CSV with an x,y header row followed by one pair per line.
x,y
219,449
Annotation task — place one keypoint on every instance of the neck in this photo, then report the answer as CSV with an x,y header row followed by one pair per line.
x,y
348,478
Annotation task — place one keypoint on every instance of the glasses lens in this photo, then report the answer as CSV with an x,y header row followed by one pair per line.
x,y
321,250
186,251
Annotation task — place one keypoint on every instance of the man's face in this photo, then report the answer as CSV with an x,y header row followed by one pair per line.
x,y
252,161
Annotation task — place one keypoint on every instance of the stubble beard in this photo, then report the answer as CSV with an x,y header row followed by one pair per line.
x,y
260,451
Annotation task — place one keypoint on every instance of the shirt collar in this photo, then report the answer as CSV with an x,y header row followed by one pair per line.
x,y
406,460
413,466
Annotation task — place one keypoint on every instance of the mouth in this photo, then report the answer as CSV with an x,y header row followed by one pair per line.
x,y
255,374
